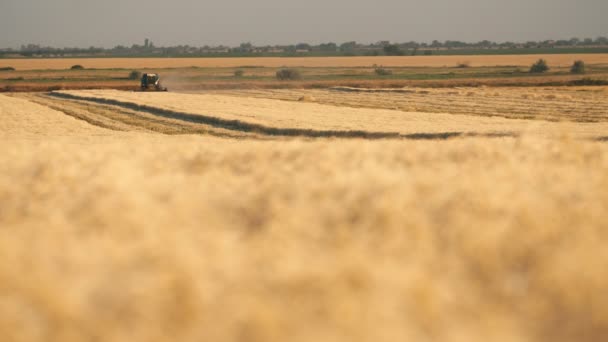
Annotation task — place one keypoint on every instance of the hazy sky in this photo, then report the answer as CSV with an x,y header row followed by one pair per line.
x,y
108,23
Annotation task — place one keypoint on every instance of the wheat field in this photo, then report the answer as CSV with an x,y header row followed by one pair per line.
x,y
582,104
256,217
388,61
406,112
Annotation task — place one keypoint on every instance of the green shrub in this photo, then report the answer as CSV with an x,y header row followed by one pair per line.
x,y
539,67
578,67
134,75
463,65
381,71
288,74
239,73
7,69
77,67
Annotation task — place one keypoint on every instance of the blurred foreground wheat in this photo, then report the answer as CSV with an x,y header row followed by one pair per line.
x,y
108,236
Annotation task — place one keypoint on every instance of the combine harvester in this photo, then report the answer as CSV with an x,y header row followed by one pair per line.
x,y
151,82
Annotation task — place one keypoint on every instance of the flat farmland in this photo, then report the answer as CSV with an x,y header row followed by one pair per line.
x,y
315,73
275,62
359,214
583,104
282,113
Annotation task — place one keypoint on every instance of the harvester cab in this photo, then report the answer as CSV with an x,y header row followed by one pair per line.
x,y
151,82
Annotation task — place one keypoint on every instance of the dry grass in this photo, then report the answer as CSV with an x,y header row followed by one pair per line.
x,y
275,62
59,85
21,119
126,119
248,113
239,84
584,104
192,78
133,236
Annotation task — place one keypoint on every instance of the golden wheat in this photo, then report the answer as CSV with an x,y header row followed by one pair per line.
x,y
588,104
314,116
131,236
414,61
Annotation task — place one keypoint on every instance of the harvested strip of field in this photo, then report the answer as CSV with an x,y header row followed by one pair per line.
x,y
388,61
125,119
21,119
272,116
583,104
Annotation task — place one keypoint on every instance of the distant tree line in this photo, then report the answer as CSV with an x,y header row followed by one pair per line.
x,y
148,49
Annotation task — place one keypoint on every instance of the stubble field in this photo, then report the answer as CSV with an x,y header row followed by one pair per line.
x,y
305,215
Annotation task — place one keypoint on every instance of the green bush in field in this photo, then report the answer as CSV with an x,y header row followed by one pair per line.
x,y
7,68
77,67
134,75
288,74
381,71
578,67
539,67
239,73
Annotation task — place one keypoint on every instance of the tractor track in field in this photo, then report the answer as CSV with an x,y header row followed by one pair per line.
x,y
119,118
174,122
134,116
